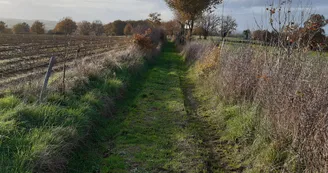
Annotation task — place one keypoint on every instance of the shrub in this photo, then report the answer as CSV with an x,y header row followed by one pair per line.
x,y
143,40
148,38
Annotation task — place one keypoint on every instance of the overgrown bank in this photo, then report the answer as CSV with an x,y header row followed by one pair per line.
x,y
266,106
43,137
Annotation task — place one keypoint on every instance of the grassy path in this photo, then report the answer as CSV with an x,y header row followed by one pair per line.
x,y
156,129
155,135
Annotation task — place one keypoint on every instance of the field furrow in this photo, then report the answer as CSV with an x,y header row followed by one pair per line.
x,y
26,58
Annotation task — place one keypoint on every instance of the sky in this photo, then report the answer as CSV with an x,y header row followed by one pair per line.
x,y
246,12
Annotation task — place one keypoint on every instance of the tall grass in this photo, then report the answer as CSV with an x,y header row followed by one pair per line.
x,y
40,137
287,90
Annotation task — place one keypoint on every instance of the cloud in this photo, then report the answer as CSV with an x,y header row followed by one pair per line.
x,y
4,2
245,11
105,10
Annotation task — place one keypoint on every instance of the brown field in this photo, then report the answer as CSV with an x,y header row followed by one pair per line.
x,y
26,57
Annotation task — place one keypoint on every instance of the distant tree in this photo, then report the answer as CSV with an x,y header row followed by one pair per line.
x,y
21,28
314,32
228,25
189,10
209,22
171,27
97,27
84,28
262,35
316,22
50,32
199,31
247,34
118,27
155,19
139,22
38,27
8,31
109,29
3,26
65,26
128,29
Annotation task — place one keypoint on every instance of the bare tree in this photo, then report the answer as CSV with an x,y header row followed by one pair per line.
x,y
209,23
228,25
171,27
155,18
97,27
84,28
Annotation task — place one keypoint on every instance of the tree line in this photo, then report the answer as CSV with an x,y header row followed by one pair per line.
x,y
311,34
67,26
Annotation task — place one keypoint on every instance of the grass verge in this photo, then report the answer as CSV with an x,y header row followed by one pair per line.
x,y
42,137
238,134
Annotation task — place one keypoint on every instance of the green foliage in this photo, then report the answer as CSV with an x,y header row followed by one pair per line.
x,y
8,102
21,28
118,27
3,26
150,131
247,34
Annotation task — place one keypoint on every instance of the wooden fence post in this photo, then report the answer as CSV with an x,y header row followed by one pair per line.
x,y
46,80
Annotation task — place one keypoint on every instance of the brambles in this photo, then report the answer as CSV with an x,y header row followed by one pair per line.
x,y
148,38
143,40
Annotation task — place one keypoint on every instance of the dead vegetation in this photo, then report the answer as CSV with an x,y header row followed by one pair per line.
x,y
289,91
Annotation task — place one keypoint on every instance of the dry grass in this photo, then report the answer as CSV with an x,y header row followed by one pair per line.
x,y
291,90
